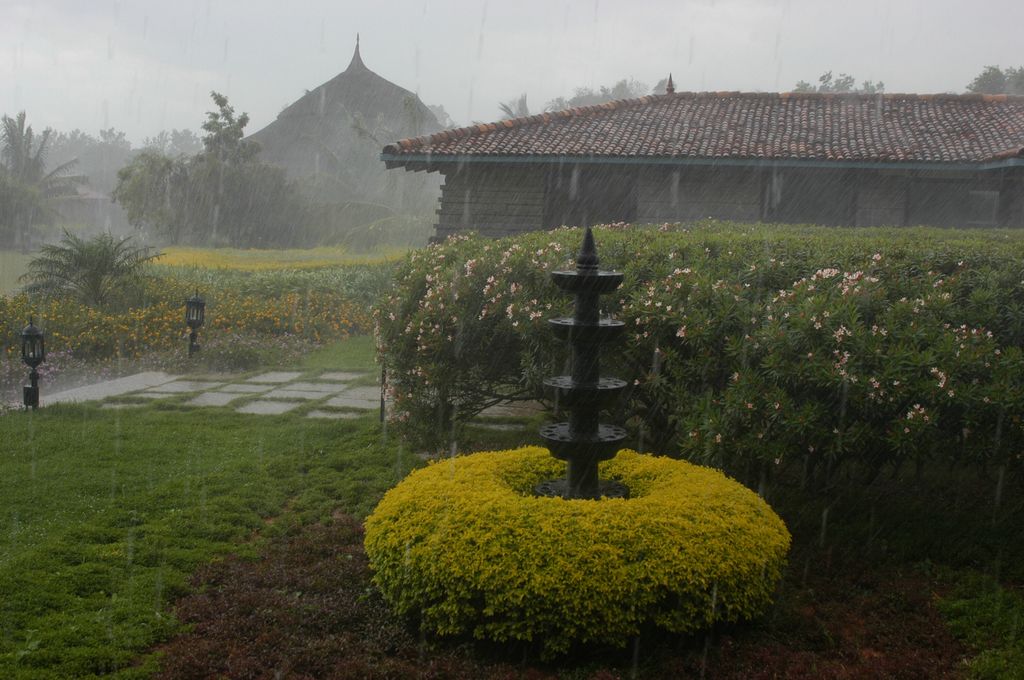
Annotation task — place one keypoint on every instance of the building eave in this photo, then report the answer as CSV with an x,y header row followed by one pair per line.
x,y
437,162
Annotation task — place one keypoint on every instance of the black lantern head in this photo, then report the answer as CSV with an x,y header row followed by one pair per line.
x,y
33,349
195,311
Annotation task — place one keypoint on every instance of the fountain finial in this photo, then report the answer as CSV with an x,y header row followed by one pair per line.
x,y
587,259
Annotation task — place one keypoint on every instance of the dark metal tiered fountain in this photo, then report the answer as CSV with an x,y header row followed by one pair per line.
x,y
584,441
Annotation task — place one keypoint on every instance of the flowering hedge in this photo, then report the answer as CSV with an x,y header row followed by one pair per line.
x,y
466,547
749,345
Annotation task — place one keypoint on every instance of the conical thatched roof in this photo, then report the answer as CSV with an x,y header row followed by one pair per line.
x,y
336,130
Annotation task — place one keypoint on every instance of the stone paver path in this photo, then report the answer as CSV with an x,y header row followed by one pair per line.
x,y
213,399
294,395
244,388
328,387
362,397
182,386
108,388
331,394
267,408
275,377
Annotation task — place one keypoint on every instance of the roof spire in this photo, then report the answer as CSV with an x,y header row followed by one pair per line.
x,y
670,87
357,61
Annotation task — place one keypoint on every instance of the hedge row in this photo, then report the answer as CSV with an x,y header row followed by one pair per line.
x,y
747,345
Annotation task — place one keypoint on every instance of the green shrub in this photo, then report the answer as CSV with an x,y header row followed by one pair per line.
x,y
466,547
751,347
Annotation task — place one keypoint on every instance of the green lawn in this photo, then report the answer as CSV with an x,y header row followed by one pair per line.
x,y
106,513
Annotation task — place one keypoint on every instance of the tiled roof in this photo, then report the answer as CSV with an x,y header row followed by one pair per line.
x,y
733,125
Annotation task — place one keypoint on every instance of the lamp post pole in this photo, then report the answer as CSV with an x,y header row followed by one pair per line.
x,y
33,353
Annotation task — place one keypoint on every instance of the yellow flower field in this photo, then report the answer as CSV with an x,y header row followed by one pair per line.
x,y
262,260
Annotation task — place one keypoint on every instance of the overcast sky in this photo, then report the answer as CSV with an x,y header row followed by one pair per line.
x,y
146,65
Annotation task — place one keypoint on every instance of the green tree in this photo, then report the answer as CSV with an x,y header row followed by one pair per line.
x,y
174,143
225,133
26,186
98,158
220,196
994,80
96,272
844,83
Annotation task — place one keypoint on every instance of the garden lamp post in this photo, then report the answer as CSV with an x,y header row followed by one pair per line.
x,y
195,313
33,353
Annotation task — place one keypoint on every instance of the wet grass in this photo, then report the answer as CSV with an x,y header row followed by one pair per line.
x,y
357,353
107,513
989,618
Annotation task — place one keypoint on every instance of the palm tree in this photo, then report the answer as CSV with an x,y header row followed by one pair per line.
x,y
515,108
24,179
93,271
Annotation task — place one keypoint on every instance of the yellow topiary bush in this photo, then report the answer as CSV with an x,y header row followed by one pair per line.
x,y
464,546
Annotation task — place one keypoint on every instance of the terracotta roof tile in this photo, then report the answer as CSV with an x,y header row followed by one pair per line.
x,y
789,125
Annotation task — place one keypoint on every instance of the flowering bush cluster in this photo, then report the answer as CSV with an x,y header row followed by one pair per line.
x,y
748,347
466,547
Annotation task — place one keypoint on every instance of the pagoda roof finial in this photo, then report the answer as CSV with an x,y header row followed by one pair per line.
x,y
670,87
357,60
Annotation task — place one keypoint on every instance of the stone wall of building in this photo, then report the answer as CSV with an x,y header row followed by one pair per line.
x,y
698,192
504,200
881,199
491,201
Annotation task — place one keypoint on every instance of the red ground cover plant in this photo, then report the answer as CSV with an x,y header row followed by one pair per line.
x,y
847,621
305,609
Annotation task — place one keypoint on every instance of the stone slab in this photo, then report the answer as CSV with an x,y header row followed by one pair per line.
x,y
341,376
514,409
292,395
108,388
244,388
335,415
267,408
153,395
325,387
183,386
366,397
213,399
120,405
500,427
275,377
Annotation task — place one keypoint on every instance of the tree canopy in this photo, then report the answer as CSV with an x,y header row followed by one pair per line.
x,y
994,80
220,196
588,96
27,184
843,83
